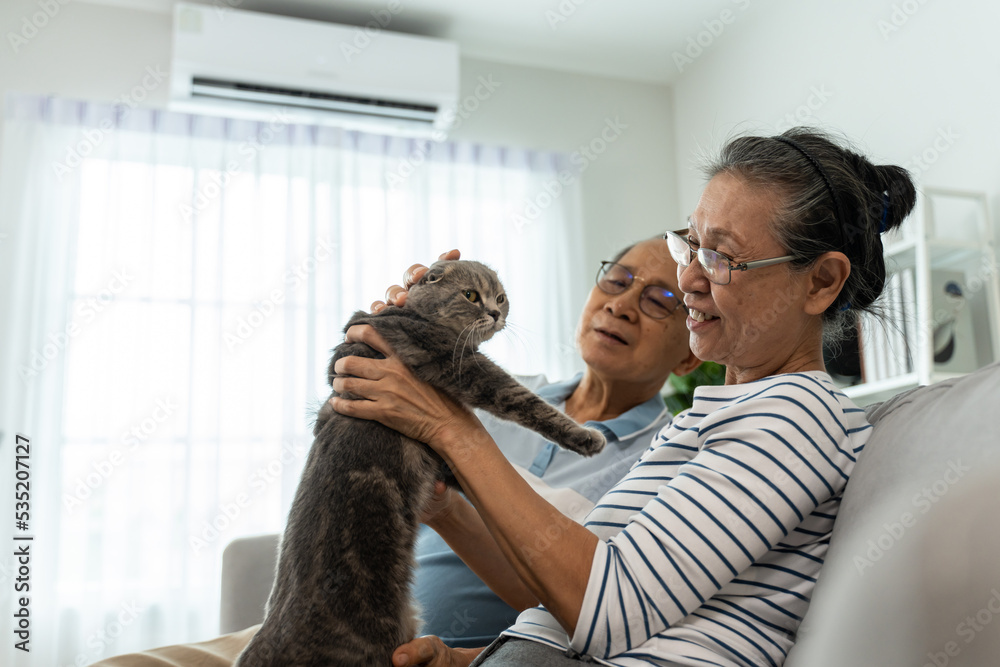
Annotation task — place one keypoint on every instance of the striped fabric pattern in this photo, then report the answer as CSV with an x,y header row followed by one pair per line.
x,y
458,606
712,543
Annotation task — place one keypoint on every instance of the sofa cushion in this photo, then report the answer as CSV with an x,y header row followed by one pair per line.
x,y
927,443
919,436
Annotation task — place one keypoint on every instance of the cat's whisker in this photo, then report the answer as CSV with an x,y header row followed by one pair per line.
x,y
476,344
461,351
476,338
458,340
482,336
514,332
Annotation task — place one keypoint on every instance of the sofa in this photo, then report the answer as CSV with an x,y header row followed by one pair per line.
x,y
912,576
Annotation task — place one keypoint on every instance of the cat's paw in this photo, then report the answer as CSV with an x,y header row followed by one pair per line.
x,y
586,441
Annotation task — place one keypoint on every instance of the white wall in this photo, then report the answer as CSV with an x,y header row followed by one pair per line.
x,y
85,51
101,53
628,190
894,91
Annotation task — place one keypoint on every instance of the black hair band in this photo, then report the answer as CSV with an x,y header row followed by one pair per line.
x,y
826,180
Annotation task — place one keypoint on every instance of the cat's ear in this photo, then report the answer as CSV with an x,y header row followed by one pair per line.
x,y
432,276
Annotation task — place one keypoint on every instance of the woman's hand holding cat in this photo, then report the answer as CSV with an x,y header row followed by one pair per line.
x,y
430,651
396,398
441,504
396,295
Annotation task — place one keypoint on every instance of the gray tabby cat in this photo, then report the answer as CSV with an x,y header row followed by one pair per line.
x,y
341,596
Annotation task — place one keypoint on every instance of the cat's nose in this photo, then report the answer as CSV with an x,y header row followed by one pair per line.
x,y
495,314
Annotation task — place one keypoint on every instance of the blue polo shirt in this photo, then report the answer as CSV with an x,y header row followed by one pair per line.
x,y
457,606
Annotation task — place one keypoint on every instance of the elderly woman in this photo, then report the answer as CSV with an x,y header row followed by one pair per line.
x,y
707,551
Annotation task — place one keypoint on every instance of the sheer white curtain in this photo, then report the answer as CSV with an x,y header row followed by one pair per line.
x,y
172,286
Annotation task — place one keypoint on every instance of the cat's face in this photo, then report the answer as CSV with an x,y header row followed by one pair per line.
x,y
465,296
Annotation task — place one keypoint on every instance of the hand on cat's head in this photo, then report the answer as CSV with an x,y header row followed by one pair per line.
x,y
396,295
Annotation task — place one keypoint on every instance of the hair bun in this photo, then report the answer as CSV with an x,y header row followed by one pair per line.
x,y
902,196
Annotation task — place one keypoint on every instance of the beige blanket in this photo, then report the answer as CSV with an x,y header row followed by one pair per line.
x,y
219,652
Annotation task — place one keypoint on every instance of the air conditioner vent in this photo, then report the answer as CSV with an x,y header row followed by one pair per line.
x,y
310,99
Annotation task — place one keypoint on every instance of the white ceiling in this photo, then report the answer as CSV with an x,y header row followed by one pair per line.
x,y
626,39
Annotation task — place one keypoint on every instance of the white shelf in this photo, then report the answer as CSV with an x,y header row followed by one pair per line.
x,y
900,247
949,238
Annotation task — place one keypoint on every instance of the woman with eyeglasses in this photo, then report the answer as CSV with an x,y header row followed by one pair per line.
x,y
707,551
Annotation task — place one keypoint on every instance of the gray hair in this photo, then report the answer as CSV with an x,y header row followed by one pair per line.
x,y
831,199
627,249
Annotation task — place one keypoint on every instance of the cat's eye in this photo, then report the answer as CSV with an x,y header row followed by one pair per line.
x,y
472,295
501,299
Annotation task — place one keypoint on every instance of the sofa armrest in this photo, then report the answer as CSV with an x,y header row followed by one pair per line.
x,y
247,574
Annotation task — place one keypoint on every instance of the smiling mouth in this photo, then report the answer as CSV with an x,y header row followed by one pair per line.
x,y
612,335
699,316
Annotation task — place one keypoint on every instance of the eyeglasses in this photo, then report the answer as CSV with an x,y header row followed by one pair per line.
x,y
718,267
655,301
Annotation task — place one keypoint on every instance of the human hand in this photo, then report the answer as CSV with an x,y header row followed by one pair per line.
x,y
396,295
430,651
441,504
394,397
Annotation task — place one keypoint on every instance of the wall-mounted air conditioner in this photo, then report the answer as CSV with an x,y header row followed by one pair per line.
x,y
246,64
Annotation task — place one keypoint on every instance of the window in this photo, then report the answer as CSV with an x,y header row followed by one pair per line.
x,y
177,287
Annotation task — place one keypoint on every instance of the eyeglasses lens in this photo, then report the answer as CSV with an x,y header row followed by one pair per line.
x,y
613,279
658,302
716,266
655,301
679,249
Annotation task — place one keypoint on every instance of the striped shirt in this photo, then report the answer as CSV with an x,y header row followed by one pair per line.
x,y
457,605
712,542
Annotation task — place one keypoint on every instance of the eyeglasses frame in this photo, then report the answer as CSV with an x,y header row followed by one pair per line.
x,y
632,280
730,262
